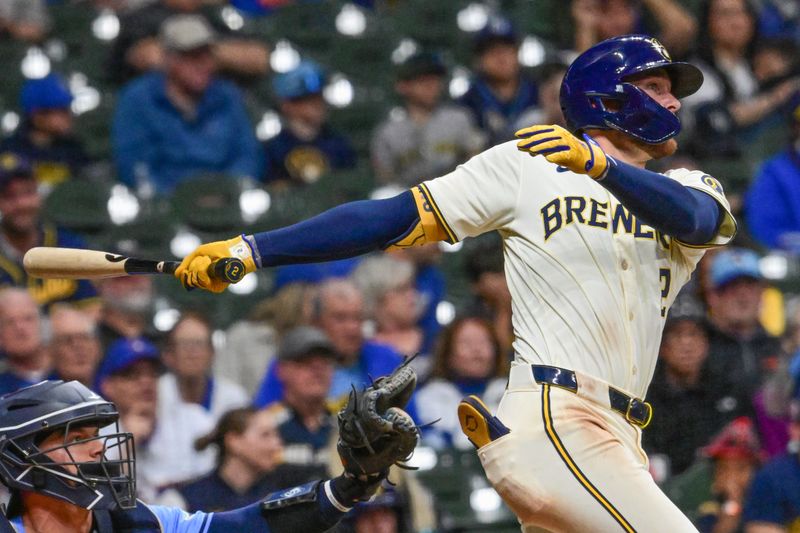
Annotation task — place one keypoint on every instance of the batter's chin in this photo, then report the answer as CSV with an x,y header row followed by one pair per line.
x,y
657,151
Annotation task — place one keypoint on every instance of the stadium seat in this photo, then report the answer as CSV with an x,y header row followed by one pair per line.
x,y
209,203
79,206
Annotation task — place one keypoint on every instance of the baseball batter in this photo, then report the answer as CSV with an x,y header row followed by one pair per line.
x,y
596,249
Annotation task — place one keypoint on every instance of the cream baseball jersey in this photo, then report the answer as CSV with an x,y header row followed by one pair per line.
x,y
590,283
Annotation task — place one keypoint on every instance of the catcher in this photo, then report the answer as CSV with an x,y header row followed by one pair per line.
x,y
69,466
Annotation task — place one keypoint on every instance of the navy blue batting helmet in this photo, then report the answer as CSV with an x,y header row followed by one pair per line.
x,y
600,76
30,415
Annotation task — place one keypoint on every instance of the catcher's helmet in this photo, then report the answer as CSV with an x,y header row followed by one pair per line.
x,y
599,76
30,415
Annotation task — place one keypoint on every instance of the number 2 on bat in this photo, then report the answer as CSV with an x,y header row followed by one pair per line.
x,y
665,277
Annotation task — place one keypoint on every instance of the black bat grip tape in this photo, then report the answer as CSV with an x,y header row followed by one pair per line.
x,y
229,269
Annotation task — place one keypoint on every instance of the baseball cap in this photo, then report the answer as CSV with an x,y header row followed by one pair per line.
x,y
497,30
685,310
125,352
45,93
302,341
421,64
305,79
13,166
184,33
734,263
737,440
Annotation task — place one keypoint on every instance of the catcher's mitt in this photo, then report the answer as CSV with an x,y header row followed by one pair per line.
x,y
374,430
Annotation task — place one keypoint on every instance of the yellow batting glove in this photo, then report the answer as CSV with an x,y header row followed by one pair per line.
x,y
193,270
561,147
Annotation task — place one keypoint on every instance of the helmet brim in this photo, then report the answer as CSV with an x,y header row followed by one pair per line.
x,y
686,78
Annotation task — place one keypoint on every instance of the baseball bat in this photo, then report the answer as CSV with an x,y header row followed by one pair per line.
x,y
72,263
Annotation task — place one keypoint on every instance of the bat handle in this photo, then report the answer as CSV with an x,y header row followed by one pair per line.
x,y
228,269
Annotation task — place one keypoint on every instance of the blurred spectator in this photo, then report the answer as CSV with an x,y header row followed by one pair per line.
x,y
170,126
729,98
772,204
500,95
21,229
773,502
549,111
385,513
249,465
128,376
690,402
26,359
306,148
491,297
426,137
392,302
305,422
338,310
74,345
736,457
137,49
467,361
430,284
45,137
780,18
740,347
598,20
251,344
24,20
190,400
127,306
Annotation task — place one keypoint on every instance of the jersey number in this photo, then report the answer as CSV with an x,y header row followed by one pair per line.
x,y
665,276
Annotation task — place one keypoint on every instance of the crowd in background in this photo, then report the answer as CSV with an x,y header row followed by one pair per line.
x,y
223,413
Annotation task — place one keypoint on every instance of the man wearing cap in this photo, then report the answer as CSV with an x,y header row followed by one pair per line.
x,y
21,229
500,96
772,203
425,137
128,377
690,402
740,347
170,126
137,49
305,422
773,501
307,147
45,136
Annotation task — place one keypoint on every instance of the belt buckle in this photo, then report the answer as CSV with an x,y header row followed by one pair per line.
x,y
634,421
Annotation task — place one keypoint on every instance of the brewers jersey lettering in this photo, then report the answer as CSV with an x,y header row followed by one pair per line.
x,y
590,285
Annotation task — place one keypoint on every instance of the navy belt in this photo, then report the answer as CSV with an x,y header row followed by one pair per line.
x,y
635,411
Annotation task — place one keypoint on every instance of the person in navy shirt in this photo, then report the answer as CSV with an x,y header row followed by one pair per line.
x,y
21,342
173,125
249,465
306,148
773,502
21,228
500,96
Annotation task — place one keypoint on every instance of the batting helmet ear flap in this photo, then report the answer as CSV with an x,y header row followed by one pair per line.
x,y
642,117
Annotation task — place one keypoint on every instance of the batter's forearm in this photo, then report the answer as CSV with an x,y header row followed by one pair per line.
x,y
687,214
345,231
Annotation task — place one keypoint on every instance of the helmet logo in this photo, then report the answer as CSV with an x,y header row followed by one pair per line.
x,y
660,48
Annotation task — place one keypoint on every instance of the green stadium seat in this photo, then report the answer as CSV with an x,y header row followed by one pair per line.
x,y
79,206
209,203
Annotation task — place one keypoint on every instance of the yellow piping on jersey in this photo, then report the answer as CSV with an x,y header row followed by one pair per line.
x,y
451,236
582,479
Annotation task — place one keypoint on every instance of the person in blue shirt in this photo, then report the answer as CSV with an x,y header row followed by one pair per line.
x,y
21,228
773,501
307,148
772,203
70,468
45,136
500,96
173,125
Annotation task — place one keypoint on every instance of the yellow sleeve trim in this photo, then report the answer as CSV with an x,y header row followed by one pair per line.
x,y
429,227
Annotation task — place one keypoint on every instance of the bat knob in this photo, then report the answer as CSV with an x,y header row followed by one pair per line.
x,y
229,269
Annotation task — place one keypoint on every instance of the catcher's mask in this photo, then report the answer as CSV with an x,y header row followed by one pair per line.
x,y
103,479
